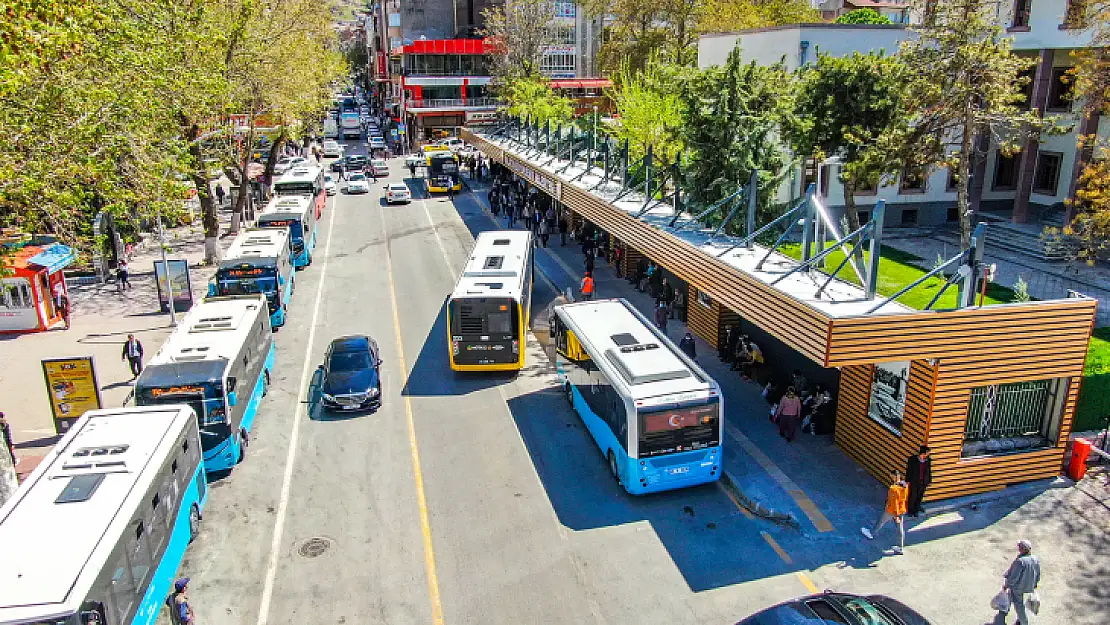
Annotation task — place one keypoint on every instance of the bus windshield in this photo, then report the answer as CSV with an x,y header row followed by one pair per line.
x,y
247,280
679,428
206,400
494,317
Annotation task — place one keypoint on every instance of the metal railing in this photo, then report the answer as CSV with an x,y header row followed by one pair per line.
x,y
1005,410
419,103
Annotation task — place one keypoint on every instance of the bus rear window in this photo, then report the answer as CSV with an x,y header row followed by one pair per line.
x,y
294,188
684,428
482,317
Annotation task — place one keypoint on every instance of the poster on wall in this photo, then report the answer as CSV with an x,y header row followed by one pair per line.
x,y
888,394
182,285
71,384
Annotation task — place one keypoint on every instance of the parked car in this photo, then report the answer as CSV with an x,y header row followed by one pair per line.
x,y
350,376
454,143
351,162
376,143
379,167
287,163
836,607
332,148
329,184
397,192
358,183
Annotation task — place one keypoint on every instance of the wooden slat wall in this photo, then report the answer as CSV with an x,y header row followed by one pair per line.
x,y
874,447
630,260
702,321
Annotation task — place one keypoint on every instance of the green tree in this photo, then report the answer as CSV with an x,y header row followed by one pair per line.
x,y
731,15
964,80
519,32
863,16
532,99
638,30
734,116
650,107
843,105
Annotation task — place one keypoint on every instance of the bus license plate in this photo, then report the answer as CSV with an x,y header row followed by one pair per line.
x,y
678,470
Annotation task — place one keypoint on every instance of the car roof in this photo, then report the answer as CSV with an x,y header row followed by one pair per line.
x,y
352,343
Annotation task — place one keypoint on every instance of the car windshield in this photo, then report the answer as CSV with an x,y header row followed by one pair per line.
x,y
380,164
357,178
349,361
398,187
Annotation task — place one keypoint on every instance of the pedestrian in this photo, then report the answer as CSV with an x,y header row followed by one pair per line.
x,y
450,189
123,274
789,413
545,232
61,302
724,354
181,613
564,225
587,246
661,317
1021,579
688,346
133,354
800,383
587,287
815,414
919,474
894,511
590,263
220,194
6,432
666,295
412,169
342,169
510,214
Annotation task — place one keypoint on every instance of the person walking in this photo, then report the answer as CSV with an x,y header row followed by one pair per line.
x,y
412,169
545,232
510,214
133,354
894,511
919,474
661,317
564,225
587,286
9,442
789,413
181,613
342,169
122,276
590,263
220,194
666,295
688,346
1021,579
61,302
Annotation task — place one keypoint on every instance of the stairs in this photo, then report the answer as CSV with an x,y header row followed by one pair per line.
x,y
1026,240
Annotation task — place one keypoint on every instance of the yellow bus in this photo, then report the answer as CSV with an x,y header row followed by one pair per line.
x,y
443,171
488,312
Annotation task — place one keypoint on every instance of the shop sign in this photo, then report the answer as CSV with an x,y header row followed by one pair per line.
x,y
888,394
540,180
71,384
481,117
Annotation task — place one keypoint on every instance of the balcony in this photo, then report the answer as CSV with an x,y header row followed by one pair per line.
x,y
452,103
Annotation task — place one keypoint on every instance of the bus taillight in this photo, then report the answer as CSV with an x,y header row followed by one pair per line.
x,y
516,347
455,347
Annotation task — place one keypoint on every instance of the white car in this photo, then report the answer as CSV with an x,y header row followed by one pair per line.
x,y
415,160
376,143
397,192
287,163
454,143
380,167
329,184
332,149
358,183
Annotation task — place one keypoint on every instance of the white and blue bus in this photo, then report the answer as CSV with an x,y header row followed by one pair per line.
x,y
218,361
259,261
297,214
97,532
656,415
304,181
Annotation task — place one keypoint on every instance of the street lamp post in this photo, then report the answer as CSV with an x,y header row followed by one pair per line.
x,y
166,269
593,151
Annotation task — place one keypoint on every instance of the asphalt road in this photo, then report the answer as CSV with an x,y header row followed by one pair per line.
x,y
465,498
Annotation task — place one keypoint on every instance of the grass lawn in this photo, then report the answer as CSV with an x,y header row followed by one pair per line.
x,y
1094,398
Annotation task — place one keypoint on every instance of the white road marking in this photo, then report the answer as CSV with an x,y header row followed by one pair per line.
x,y
294,437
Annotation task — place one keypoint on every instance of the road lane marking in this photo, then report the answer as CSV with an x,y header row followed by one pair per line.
x,y
774,545
294,437
807,582
796,493
418,472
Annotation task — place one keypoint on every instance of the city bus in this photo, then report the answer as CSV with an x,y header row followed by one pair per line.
x,y
306,180
218,361
488,312
97,532
295,213
443,171
258,261
657,417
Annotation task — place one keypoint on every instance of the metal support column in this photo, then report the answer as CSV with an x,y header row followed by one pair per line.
x,y
966,297
809,213
877,218
753,199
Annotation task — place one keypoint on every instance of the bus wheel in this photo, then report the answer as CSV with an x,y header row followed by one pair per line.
x,y
243,442
613,466
194,522
569,394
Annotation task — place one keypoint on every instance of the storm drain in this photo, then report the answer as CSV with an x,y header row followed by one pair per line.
x,y
314,547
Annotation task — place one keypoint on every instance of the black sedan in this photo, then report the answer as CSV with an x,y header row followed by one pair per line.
x,y
351,162
350,379
840,609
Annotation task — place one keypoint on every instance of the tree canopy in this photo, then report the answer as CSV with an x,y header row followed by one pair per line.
x,y
863,16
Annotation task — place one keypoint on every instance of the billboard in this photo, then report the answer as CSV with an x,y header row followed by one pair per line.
x,y
71,385
182,285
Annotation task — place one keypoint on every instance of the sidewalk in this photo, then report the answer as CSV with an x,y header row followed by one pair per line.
x,y
810,479
102,318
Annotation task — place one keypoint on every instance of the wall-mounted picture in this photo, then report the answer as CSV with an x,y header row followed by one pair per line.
x,y
888,393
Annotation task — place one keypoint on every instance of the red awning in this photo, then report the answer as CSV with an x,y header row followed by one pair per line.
x,y
581,83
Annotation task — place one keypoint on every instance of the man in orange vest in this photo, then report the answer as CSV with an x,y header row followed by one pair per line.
x,y
587,287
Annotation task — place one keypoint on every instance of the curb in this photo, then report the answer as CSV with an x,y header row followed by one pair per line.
x,y
756,508
950,505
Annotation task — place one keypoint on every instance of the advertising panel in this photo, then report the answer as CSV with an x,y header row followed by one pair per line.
x,y
888,394
71,384
182,285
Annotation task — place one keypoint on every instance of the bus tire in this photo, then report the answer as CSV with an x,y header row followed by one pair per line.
x,y
613,466
194,522
243,442
569,393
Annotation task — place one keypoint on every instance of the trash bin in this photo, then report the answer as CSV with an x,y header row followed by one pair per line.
x,y
1080,451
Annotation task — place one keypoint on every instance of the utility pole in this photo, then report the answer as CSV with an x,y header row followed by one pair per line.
x,y
166,269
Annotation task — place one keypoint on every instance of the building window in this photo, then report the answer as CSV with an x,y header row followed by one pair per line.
x,y
1076,15
705,301
1021,14
863,217
1047,178
909,216
1059,92
16,293
865,187
951,184
914,180
1005,418
1026,87
953,214
1005,171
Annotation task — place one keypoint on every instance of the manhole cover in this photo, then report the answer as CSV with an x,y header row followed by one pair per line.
x,y
314,547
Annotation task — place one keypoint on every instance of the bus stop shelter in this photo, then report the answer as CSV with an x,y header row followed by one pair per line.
x,y
992,389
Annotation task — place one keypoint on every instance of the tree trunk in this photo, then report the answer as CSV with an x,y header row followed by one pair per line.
x,y
849,184
8,482
208,209
962,183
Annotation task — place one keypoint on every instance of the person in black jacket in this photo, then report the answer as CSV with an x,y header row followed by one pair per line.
x,y
688,346
919,473
133,354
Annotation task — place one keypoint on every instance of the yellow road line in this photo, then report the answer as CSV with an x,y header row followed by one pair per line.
x,y
418,473
796,493
807,582
779,550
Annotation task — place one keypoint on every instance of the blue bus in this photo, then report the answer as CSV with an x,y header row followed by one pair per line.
x,y
655,414
218,361
258,261
298,215
96,534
